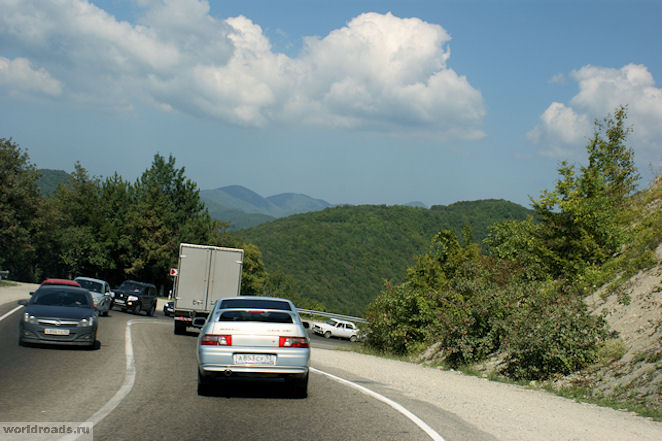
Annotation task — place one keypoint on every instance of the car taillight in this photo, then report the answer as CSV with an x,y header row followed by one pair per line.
x,y
293,342
216,340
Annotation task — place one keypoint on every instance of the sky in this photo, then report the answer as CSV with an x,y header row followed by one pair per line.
x,y
350,101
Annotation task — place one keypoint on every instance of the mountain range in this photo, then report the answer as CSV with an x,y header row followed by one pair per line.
x,y
243,208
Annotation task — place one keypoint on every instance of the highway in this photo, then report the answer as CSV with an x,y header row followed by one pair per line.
x,y
44,383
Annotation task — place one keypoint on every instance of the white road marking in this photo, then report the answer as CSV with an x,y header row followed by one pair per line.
x,y
10,313
416,420
129,379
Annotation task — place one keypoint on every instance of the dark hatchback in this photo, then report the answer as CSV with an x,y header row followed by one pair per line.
x,y
135,297
59,314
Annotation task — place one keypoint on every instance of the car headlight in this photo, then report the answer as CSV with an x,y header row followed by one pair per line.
x,y
132,298
86,322
28,318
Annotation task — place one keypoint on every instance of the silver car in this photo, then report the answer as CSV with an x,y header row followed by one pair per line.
x,y
254,337
100,291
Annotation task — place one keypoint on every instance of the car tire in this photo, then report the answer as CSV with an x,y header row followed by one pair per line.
x,y
204,388
299,386
137,309
180,328
150,312
327,334
352,338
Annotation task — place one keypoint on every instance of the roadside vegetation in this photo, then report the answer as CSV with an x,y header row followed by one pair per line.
x,y
110,228
519,300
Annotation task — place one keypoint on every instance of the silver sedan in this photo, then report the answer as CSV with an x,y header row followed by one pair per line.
x,y
254,337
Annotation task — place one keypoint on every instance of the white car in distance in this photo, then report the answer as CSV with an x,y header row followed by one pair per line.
x,y
337,328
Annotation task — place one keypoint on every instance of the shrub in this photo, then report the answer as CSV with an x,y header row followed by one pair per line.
x,y
552,334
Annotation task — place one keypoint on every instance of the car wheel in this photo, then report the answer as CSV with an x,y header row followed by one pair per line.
x,y
138,308
327,334
150,312
299,386
352,338
203,386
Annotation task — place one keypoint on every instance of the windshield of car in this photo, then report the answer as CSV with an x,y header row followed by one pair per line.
x,y
60,298
90,285
255,303
255,316
130,286
331,322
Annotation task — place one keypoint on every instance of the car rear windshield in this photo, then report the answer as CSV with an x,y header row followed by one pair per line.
x,y
240,303
60,298
255,316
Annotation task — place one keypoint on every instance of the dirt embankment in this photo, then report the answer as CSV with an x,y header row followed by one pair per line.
x,y
635,371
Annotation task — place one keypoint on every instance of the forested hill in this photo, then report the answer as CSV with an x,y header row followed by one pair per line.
x,y
341,256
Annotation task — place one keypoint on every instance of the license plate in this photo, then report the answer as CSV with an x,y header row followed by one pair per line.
x,y
261,359
56,331
119,301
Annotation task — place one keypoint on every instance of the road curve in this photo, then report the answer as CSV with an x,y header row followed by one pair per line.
x,y
69,384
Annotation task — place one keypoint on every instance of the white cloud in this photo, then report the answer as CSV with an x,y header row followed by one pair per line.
x,y
377,72
564,129
18,76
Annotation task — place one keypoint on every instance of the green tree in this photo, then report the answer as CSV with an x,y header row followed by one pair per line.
x,y
76,221
166,209
581,215
20,205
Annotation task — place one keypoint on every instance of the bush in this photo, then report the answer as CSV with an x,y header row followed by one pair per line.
x,y
552,335
401,320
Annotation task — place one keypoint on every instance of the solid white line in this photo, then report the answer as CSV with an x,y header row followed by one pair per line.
x,y
129,380
416,420
10,313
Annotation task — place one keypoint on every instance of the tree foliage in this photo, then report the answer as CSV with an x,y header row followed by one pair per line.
x,y
20,205
523,296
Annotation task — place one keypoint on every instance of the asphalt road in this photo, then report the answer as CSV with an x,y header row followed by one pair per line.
x,y
43,383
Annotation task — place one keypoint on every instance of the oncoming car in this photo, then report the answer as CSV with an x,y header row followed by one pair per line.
x,y
59,314
253,337
100,291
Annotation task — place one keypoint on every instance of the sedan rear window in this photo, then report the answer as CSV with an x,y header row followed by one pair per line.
x,y
59,298
253,303
255,316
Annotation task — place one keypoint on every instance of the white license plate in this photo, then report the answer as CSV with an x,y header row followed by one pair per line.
x,y
261,359
56,331
119,301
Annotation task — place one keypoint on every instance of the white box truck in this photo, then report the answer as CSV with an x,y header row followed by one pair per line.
x,y
205,274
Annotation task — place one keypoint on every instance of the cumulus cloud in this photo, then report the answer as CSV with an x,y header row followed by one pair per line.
x,y
18,76
564,129
378,72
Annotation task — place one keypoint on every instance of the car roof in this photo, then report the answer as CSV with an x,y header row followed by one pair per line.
x,y
341,321
60,282
61,288
139,283
258,299
90,279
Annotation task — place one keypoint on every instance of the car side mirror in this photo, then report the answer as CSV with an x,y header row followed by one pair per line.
x,y
23,302
306,325
31,292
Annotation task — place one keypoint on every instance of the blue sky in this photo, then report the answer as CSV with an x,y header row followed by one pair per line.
x,y
379,102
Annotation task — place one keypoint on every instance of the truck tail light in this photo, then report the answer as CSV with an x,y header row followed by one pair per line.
x,y
293,342
216,340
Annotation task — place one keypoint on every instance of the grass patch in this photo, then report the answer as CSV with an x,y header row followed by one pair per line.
x,y
7,283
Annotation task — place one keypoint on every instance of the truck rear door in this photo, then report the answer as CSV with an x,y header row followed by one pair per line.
x,y
194,277
225,274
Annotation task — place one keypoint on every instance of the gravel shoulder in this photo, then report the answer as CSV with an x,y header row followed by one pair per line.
x,y
508,412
